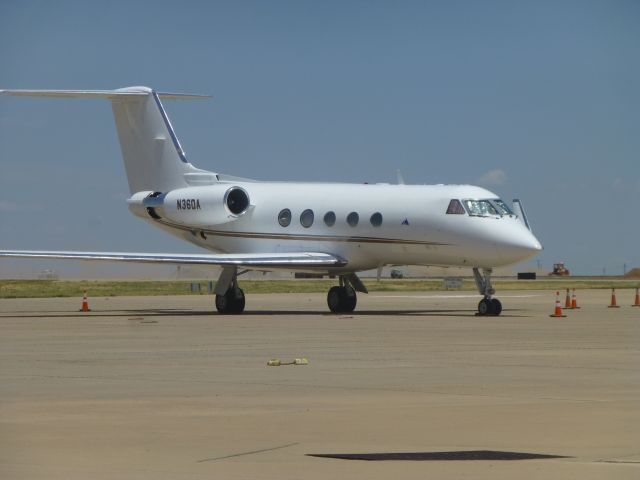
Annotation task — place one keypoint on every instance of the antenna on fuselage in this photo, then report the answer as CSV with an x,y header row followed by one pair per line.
x,y
399,177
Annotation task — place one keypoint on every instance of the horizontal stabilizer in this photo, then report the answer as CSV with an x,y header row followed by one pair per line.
x,y
247,260
107,94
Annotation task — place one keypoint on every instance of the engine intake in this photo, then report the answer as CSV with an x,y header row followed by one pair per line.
x,y
237,200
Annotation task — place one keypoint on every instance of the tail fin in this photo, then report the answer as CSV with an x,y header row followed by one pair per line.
x,y
153,157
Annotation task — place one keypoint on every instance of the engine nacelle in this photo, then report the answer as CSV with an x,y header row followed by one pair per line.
x,y
193,206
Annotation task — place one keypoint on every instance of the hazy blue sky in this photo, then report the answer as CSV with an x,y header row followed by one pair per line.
x,y
537,100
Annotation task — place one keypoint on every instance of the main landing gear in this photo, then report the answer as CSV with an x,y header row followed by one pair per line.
x,y
229,296
343,298
488,305
232,302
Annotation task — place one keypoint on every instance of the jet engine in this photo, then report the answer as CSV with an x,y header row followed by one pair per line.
x,y
193,206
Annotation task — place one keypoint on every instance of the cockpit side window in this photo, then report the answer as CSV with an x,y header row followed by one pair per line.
x,y
455,208
480,208
502,207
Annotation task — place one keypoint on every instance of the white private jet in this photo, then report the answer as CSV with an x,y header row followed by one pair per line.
x,y
327,228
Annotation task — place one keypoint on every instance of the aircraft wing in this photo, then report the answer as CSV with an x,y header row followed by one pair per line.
x,y
248,260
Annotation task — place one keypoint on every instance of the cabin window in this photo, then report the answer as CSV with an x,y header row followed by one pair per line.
x,y
329,219
306,218
376,219
353,218
284,217
455,208
480,208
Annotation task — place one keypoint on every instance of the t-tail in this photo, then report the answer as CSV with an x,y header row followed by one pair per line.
x,y
153,158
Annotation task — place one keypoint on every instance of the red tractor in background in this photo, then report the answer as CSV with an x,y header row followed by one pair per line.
x,y
559,270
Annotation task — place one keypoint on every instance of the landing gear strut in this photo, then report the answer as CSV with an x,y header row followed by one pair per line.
x,y
229,296
343,298
488,305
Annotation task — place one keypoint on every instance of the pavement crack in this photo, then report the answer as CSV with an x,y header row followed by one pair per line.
x,y
248,453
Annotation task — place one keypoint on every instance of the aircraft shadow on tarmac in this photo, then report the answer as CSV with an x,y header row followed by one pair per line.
x,y
438,456
167,312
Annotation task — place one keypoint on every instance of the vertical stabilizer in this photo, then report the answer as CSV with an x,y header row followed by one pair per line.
x,y
153,157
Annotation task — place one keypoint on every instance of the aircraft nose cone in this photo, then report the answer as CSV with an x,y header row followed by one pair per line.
x,y
519,245
536,246
531,243
527,244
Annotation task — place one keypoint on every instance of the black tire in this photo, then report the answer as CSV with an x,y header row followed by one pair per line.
x,y
222,304
238,302
349,299
334,299
231,302
484,307
342,299
496,307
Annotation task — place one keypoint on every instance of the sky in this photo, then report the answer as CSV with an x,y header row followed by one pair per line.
x,y
534,100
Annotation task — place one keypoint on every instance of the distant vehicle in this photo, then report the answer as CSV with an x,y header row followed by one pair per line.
x,y
318,228
48,275
395,273
559,270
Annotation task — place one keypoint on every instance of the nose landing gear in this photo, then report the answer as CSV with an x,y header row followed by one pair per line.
x,y
488,305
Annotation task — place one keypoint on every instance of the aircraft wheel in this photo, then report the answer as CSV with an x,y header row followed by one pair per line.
x,y
484,307
222,304
342,299
238,303
334,299
496,307
231,302
349,299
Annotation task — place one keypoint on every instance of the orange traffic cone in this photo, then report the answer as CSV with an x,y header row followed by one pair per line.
x,y
85,303
614,304
567,300
574,300
558,310
637,302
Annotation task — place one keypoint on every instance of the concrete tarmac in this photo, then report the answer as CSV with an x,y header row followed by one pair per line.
x,y
159,387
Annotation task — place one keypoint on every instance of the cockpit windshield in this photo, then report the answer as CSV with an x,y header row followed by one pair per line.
x,y
480,208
